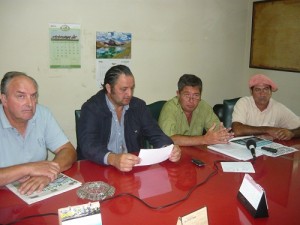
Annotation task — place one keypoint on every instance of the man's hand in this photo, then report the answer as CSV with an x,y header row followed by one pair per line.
x,y
280,133
32,184
124,162
175,154
48,169
25,171
220,136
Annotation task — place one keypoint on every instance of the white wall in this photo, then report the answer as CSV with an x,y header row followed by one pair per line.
x,y
209,38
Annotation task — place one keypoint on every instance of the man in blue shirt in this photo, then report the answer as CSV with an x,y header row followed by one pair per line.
x,y
113,123
27,131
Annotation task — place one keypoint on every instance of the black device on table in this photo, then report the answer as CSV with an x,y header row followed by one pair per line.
x,y
198,162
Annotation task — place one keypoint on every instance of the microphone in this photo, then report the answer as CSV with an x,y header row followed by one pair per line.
x,y
251,145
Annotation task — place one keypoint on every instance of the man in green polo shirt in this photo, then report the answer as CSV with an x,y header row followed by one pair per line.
x,y
185,116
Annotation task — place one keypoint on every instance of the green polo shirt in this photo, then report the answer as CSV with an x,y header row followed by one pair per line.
x,y
172,119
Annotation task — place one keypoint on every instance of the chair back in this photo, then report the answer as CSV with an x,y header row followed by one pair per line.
x,y
218,110
77,117
155,108
228,105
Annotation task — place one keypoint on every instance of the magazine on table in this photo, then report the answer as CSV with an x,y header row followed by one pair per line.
x,y
279,148
260,142
61,184
243,140
237,148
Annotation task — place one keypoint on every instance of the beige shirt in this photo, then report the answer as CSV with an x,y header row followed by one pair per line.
x,y
275,115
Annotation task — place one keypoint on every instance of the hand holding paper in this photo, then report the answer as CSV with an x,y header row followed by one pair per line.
x,y
153,156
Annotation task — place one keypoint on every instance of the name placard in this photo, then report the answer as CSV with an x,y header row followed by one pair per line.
x,y
198,217
253,197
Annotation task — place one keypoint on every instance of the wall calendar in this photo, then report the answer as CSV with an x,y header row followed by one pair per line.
x,y
64,46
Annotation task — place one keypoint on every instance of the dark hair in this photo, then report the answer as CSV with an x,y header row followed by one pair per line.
x,y
11,75
113,74
189,80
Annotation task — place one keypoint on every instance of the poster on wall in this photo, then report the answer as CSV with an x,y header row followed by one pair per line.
x,y
275,35
64,46
112,48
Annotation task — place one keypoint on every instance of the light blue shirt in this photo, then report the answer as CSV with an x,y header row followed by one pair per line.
x,y
42,133
116,142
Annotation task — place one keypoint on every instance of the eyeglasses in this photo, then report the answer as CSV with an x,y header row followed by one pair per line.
x,y
191,96
262,90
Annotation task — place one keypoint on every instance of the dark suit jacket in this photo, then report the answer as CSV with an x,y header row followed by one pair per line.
x,y
94,128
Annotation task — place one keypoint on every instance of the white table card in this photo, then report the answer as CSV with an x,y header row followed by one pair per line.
x,y
198,217
253,197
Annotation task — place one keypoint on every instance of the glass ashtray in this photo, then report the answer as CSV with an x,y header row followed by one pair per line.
x,y
95,191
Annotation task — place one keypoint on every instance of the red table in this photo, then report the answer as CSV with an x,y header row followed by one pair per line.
x,y
168,182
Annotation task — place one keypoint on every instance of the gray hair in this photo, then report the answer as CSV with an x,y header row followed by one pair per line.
x,y
7,78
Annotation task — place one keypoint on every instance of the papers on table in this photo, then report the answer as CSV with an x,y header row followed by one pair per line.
x,y
237,167
236,148
243,140
281,149
232,150
153,156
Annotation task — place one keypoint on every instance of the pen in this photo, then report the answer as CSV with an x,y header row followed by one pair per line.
x,y
273,150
